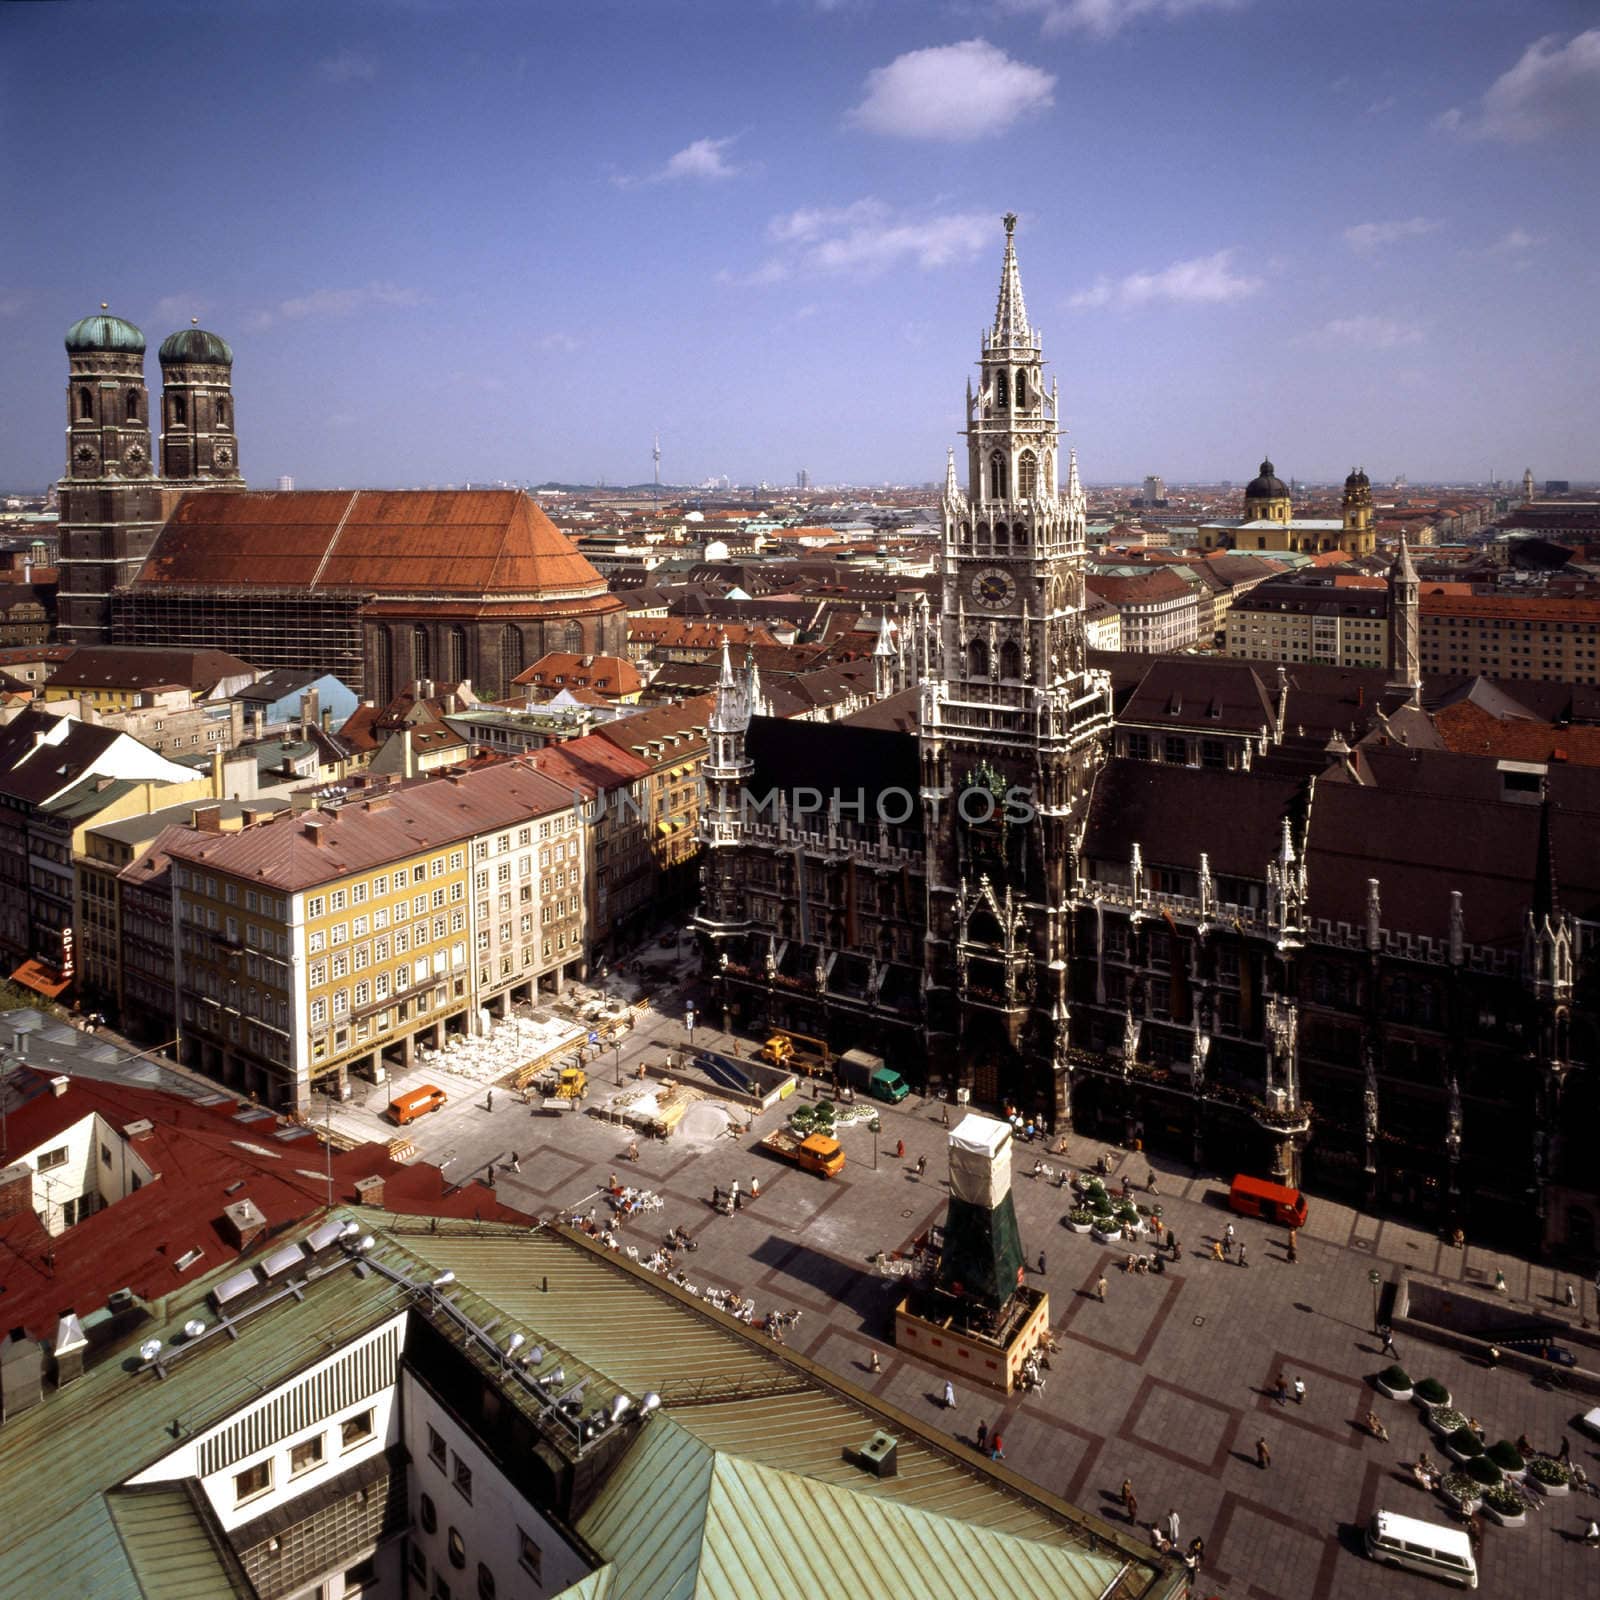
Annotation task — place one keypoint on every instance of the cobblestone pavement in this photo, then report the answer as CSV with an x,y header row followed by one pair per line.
x,y
1168,1383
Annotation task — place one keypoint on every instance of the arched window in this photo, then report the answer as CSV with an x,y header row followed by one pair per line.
x,y
222,414
572,638
1022,390
1010,660
180,410
85,406
983,533
1027,473
1002,534
511,662
997,476
1002,390
383,668
978,659
421,653
456,667
132,404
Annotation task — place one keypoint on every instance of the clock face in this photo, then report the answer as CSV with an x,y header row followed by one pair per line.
x,y
993,586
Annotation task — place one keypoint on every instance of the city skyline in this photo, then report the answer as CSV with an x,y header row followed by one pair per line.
x,y
500,242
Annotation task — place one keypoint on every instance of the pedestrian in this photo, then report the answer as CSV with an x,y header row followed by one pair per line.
x,y
996,1449
1227,1234
1100,1290
899,1149
949,1395
1591,1534
1172,1243
490,1105
1281,1389
733,1189
1263,1455
1565,1453
1172,1525
1150,1181
738,1199
1388,1343
1294,1251
1242,1261
1130,1501
1572,1296
873,1363
922,1165
716,1196
944,1115
1500,1282
612,1184
1299,1391
755,1188
983,1436
1216,1249
1041,1263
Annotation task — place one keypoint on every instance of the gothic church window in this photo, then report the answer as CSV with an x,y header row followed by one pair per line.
x,y
997,476
978,659
456,668
222,414
1022,390
572,638
1002,390
133,405
180,410
85,406
1002,534
511,662
421,654
1027,472
1010,660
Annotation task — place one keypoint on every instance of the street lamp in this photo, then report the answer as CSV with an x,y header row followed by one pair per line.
x,y
1374,1278
876,1125
616,1045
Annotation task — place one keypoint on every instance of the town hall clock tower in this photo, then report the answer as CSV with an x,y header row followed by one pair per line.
x,y
1013,726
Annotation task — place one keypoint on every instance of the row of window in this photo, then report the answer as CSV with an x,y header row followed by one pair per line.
x,y
304,1456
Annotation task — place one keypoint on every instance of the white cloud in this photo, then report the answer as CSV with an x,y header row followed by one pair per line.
x,y
179,308
1363,333
953,91
12,305
1206,280
1515,242
866,238
1103,18
563,342
703,161
346,302
1554,88
347,66
1366,237
1378,107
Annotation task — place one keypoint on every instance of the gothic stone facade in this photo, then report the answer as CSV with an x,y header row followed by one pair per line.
x,y
1329,953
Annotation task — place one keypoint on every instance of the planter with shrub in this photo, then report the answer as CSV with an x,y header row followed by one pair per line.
x,y
1507,1457
1464,1445
1079,1221
1394,1382
1463,1491
1445,1420
1548,1476
1484,1471
1430,1392
1504,1505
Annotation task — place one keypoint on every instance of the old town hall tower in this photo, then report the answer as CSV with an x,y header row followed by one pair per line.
x,y
1012,728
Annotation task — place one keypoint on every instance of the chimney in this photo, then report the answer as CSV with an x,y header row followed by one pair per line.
x,y
256,720
243,1223
408,754
59,1085
327,719
219,783
21,1374
309,702
206,819
235,723
369,1191
312,828
16,1190
66,1355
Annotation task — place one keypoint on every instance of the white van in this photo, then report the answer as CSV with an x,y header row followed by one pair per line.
x,y
1422,1547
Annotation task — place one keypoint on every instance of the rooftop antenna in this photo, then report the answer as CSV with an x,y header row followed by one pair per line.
x,y
655,455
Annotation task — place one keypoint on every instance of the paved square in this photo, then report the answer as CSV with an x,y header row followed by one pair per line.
x,y
1189,1430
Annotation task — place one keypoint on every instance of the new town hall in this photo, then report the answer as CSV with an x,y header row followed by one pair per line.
x,y
1258,917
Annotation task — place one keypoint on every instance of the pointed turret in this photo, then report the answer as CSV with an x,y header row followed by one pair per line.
x,y
1405,606
1010,313
952,487
885,661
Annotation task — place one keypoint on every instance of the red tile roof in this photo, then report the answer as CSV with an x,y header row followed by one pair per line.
x,y
608,674
204,1159
388,542
1470,730
590,764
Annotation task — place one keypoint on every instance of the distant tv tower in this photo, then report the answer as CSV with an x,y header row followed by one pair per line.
x,y
656,457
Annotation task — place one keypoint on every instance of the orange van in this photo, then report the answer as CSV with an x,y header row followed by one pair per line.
x,y
415,1103
1272,1202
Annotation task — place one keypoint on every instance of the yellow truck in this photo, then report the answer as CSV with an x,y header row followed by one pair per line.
x,y
818,1153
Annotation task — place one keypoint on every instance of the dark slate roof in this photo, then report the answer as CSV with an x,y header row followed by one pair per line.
x,y
1174,813
898,712
276,684
33,778
838,757
1184,691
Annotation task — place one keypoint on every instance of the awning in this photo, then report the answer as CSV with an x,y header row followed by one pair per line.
x,y
41,979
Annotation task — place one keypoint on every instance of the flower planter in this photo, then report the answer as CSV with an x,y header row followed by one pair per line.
x,y
1075,1227
1506,1519
1552,1489
1103,1237
1444,1419
1547,1476
1460,1490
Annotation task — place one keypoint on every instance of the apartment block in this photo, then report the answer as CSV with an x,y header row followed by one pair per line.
x,y
1511,636
1342,621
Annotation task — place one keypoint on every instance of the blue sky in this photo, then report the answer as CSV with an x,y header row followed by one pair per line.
x,y
477,240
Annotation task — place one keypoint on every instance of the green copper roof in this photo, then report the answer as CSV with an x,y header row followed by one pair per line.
x,y
104,332
196,347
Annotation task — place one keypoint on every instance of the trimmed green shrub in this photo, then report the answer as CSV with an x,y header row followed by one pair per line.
x,y
1505,1455
1482,1470
1504,1499
1465,1442
1395,1378
1127,1212
1431,1392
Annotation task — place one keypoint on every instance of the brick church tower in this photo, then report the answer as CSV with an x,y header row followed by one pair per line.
x,y
198,445
110,498
1013,725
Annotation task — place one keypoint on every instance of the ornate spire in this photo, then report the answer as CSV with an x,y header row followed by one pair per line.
x,y
727,680
1404,571
1010,314
952,489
